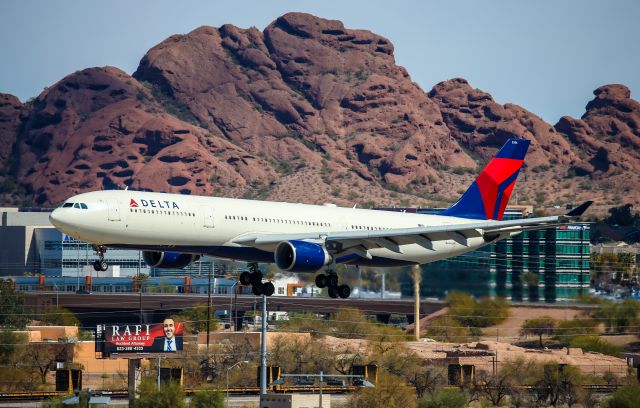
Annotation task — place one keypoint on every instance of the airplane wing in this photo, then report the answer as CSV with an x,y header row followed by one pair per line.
x,y
361,241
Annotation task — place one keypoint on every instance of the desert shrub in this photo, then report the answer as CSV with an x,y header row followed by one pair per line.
x,y
483,313
596,344
445,398
170,395
568,329
389,392
447,329
207,398
625,397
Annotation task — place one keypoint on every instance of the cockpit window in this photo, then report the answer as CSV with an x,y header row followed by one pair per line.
x,y
83,206
67,205
76,205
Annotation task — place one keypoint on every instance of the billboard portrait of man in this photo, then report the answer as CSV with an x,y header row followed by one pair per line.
x,y
170,342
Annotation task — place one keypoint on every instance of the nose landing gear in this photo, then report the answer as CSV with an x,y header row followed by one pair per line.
x,y
100,265
253,277
330,281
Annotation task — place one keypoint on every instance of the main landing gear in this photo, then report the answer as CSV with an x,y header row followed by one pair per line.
x,y
100,265
253,277
330,281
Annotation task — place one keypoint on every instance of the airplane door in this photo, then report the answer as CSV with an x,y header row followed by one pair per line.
x,y
114,210
208,216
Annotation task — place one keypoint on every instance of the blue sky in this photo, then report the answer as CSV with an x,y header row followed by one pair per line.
x,y
547,56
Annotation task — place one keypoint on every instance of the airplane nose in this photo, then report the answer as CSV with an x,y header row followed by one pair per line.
x,y
58,220
54,217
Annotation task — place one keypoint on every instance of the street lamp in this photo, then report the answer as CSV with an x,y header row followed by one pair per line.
x,y
228,370
231,298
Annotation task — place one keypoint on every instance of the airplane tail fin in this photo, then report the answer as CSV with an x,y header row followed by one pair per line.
x,y
487,197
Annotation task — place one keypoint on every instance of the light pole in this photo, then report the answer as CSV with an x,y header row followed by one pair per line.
x,y
233,291
228,370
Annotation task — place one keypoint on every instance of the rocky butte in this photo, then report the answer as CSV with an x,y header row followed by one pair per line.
x,y
308,111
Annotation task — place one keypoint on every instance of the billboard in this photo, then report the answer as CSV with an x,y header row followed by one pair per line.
x,y
165,337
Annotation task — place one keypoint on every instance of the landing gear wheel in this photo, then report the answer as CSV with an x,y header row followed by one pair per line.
x,y
321,281
245,278
332,280
255,278
268,289
257,289
344,291
100,264
332,292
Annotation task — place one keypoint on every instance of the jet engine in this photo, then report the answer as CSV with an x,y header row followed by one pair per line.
x,y
167,260
301,256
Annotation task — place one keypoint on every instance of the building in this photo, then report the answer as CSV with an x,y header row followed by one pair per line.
x,y
30,245
547,265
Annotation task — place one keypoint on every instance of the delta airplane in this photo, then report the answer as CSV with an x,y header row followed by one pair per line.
x,y
173,230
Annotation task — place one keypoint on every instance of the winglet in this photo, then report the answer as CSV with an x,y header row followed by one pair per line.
x,y
579,210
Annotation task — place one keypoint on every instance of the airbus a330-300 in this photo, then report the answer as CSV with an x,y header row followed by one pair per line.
x,y
174,230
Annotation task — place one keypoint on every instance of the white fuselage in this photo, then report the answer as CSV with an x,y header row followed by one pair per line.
x,y
208,225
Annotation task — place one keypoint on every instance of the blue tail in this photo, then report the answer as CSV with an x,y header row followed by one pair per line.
x,y
487,197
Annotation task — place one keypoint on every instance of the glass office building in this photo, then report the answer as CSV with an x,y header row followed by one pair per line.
x,y
61,255
537,266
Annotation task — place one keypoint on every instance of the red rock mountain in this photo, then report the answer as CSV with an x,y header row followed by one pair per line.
x,y
307,110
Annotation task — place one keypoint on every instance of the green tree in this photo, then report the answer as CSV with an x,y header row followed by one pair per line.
x,y
350,324
9,343
207,398
619,317
389,392
14,313
625,397
540,326
622,216
445,398
52,316
596,344
195,318
447,329
43,356
559,385
568,329
471,313
169,395
303,323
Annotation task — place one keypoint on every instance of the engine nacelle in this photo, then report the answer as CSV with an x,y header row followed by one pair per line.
x,y
167,260
301,256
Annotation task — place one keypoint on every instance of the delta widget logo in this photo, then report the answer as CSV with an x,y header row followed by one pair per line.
x,y
154,204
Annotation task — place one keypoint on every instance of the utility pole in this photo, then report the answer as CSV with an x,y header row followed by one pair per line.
x,y
263,349
416,296
208,317
320,396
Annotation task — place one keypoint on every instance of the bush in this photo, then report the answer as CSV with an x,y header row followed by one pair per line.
x,y
389,392
447,329
619,317
445,398
595,343
168,396
625,397
195,319
207,398
472,313
568,329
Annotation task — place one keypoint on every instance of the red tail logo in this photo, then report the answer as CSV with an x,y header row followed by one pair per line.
x,y
133,203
